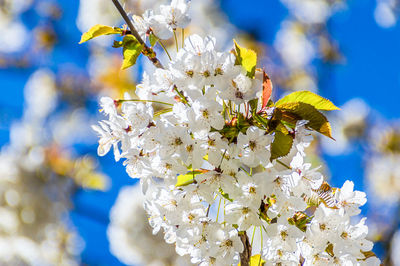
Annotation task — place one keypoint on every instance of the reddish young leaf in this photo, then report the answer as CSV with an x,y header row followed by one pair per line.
x,y
267,89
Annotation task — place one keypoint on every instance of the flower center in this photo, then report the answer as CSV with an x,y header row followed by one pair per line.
x,y
178,141
252,145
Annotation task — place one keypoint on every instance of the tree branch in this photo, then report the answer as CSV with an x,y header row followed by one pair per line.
x,y
246,254
147,51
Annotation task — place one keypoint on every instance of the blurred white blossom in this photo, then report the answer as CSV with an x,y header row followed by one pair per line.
x,y
130,235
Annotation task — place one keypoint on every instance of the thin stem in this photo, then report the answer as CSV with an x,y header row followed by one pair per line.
x,y
181,96
252,237
245,171
224,209
251,171
134,32
222,159
183,37
219,206
215,197
288,167
224,109
146,101
261,243
176,41
165,49
208,209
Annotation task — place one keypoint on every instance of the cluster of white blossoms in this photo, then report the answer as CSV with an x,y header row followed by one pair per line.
x,y
382,167
205,164
164,21
218,161
38,179
304,37
206,17
351,124
131,237
15,35
33,199
387,12
395,246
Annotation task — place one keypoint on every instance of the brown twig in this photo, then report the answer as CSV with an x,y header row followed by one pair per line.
x,y
147,51
246,254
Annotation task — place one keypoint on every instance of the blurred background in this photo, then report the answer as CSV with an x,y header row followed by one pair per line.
x,y
57,195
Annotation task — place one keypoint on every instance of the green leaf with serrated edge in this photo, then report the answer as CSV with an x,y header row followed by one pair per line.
x,y
308,97
281,127
246,58
99,30
186,179
303,111
289,119
131,50
281,145
274,120
153,39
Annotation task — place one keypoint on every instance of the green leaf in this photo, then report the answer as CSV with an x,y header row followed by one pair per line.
x,y
308,97
295,111
281,145
281,127
153,39
131,50
187,179
246,58
99,30
274,120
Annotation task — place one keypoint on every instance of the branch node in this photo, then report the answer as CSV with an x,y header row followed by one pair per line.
x,y
134,32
